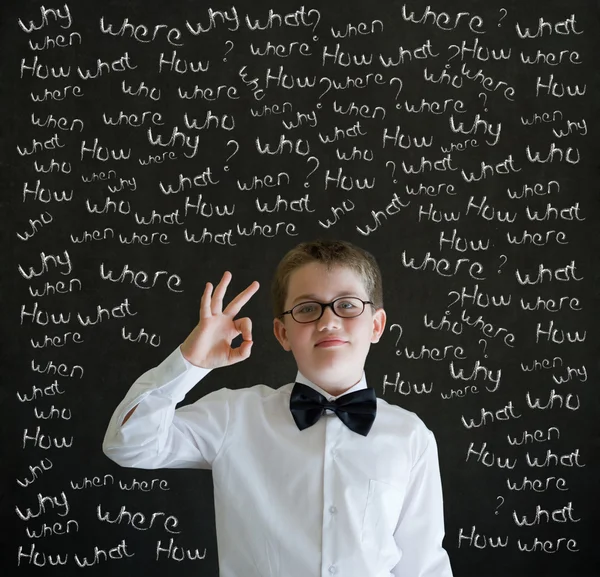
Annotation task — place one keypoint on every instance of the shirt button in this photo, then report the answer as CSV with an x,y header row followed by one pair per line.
x,y
333,510
333,452
333,569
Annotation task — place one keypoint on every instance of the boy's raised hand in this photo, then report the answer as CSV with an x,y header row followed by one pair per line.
x,y
209,344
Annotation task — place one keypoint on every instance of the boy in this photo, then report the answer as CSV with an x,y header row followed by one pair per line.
x,y
316,477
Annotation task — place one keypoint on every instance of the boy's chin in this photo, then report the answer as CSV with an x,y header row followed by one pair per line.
x,y
330,363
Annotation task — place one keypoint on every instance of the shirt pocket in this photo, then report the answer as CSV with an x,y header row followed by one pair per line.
x,y
382,511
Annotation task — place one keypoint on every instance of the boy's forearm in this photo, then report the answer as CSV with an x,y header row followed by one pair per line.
x,y
128,415
154,396
134,408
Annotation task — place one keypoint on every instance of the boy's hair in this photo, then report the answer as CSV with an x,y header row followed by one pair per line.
x,y
330,253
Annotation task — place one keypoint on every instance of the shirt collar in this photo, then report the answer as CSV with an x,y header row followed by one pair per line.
x,y
362,384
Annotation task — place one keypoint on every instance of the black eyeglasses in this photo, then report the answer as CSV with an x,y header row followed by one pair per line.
x,y
310,311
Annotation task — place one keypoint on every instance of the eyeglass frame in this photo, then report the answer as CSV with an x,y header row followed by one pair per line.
x,y
324,306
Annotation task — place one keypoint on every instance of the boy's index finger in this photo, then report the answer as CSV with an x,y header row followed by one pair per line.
x,y
234,307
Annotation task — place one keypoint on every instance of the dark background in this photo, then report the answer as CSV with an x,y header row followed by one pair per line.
x,y
476,495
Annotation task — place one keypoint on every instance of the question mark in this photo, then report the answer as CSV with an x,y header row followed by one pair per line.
x,y
306,184
237,147
503,16
484,346
505,259
502,503
226,53
400,84
484,99
393,168
398,351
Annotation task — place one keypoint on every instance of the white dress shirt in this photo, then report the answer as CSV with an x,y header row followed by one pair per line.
x,y
288,503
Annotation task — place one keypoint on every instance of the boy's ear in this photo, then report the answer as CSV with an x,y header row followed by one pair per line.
x,y
379,318
280,333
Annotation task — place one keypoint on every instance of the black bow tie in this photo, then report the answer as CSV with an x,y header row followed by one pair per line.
x,y
356,410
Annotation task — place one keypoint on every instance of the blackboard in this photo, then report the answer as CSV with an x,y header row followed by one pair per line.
x,y
149,146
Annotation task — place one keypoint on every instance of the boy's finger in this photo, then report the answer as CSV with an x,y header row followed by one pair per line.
x,y
245,327
217,300
205,302
234,307
241,353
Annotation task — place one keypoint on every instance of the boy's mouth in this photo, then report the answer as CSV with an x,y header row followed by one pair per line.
x,y
330,343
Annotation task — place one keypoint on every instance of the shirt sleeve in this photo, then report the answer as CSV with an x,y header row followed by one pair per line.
x,y
420,530
156,435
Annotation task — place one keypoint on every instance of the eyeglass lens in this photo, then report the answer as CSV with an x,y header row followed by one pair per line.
x,y
310,311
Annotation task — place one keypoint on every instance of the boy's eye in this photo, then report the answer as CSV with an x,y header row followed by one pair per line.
x,y
345,307
308,308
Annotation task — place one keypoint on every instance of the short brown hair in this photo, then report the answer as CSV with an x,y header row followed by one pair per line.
x,y
330,253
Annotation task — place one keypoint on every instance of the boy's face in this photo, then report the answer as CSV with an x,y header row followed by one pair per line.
x,y
333,368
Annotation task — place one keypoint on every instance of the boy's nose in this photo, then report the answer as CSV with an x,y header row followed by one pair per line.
x,y
329,318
